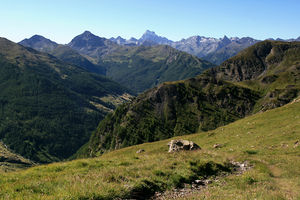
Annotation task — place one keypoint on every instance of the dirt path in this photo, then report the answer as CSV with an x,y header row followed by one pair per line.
x,y
198,185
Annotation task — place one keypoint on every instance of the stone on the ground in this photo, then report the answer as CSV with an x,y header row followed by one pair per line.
x,y
179,145
217,145
140,151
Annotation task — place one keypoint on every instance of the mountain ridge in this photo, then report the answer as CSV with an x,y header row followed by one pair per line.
x,y
215,50
63,52
239,87
39,43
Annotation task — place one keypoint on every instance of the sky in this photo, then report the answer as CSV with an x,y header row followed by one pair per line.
x,y
62,20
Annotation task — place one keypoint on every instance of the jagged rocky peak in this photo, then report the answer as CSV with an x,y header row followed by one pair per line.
x,y
148,32
225,39
151,36
118,40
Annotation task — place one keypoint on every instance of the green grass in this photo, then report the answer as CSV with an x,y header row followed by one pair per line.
x,y
266,140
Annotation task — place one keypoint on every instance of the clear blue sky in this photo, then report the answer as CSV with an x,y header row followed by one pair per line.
x,y
61,20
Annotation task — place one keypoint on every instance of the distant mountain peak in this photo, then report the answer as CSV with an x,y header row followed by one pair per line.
x,y
150,32
87,33
225,38
119,40
38,37
89,44
39,43
153,38
133,39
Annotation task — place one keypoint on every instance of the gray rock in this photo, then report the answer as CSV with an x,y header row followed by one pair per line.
x,y
179,145
217,145
140,151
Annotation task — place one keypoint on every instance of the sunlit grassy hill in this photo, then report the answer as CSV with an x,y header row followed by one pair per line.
x,y
266,140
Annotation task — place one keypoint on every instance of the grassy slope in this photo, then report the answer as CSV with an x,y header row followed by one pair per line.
x,y
266,140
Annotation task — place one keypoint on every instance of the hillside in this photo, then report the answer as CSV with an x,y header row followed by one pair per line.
x,y
49,108
270,67
267,141
143,67
239,87
10,161
68,55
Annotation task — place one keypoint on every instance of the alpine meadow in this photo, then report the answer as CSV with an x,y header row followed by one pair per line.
x,y
95,105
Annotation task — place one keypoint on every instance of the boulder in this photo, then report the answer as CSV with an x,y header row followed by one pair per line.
x,y
179,145
140,151
217,146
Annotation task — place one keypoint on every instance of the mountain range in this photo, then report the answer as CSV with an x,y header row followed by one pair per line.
x,y
214,50
211,49
247,83
261,77
136,67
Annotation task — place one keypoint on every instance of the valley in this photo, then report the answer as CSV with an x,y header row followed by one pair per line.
x,y
149,117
